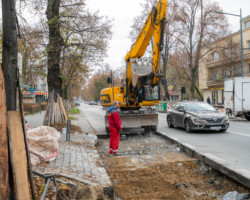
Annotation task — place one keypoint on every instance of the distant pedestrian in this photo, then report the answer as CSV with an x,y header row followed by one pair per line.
x,y
208,100
114,128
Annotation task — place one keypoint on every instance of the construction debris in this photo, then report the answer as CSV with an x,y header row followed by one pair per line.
x,y
43,144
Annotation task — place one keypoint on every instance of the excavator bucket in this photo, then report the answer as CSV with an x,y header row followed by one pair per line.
x,y
136,120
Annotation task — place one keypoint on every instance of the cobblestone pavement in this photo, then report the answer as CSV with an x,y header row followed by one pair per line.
x,y
78,159
80,162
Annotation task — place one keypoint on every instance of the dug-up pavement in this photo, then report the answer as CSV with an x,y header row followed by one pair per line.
x,y
78,163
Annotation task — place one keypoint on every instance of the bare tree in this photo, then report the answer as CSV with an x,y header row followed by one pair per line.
x,y
229,52
76,40
200,26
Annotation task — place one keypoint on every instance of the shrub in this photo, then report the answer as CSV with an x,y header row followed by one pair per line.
x,y
44,105
74,111
31,107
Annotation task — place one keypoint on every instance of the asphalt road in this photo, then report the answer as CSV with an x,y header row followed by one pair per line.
x,y
231,148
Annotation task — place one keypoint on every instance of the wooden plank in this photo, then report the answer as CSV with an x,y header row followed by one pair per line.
x,y
58,111
18,154
30,175
64,111
4,161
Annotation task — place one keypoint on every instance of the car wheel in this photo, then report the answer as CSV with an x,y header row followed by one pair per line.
x,y
154,129
170,125
187,126
107,130
147,129
247,117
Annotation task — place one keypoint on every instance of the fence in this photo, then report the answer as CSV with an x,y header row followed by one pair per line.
x,y
162,107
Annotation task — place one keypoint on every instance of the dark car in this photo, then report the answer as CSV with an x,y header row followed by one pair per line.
x,y
197,116
77,103
92,103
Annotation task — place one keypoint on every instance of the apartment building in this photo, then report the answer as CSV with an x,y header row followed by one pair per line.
x,y
224,61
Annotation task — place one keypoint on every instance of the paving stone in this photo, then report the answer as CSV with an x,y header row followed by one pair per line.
x,y
77,162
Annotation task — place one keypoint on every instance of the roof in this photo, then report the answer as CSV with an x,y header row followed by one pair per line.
x,y
24,86
245,17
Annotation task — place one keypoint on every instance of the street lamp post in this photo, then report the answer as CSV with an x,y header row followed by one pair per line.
x,y
241,37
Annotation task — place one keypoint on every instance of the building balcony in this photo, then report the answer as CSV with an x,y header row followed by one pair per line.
x,y
219,81
215,82
221,62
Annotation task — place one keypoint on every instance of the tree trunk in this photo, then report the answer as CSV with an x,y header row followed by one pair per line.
x,y
54,48
10,52
165,61
54,51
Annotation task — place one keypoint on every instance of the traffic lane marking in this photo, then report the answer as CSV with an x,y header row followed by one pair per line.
x,y
241,134
240,123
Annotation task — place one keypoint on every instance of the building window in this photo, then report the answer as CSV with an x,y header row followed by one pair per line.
x,y
224,73
215,97
248,45
237,70
215,56
214,75
247,24
248,68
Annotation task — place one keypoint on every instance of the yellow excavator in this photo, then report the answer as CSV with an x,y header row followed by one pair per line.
x,y
140,91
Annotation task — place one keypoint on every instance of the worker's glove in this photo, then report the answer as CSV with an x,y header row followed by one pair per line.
x,y
120,131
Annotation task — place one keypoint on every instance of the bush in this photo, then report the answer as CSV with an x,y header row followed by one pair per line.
x,y
44,105
74,111
31,108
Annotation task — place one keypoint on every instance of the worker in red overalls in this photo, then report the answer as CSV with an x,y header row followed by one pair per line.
x,y
114,128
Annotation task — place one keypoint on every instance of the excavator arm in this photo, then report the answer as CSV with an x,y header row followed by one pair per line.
x,y
153,27
140,91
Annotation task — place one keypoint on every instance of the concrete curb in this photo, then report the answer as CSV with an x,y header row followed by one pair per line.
x,y
235,175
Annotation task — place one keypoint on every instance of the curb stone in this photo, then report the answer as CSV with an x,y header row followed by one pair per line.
x,y
221,167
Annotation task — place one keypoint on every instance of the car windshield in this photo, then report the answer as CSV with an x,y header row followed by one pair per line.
x,y
199,107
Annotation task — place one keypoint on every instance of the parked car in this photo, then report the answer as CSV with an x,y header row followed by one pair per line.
x,y
197,116
92,103
77,103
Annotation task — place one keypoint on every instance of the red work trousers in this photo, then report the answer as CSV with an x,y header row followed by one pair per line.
x,y
114,140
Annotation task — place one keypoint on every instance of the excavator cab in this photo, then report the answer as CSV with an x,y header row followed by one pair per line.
x,y
151,93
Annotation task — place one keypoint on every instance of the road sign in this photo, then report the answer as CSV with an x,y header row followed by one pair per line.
x,y
169,106
170,92
170,87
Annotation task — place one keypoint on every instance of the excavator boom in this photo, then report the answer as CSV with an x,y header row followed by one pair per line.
x,y
140,90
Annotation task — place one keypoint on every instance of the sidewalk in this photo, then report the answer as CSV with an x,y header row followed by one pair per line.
x,y
78,159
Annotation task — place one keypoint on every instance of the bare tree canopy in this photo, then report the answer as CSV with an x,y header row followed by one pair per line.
x,y
192,25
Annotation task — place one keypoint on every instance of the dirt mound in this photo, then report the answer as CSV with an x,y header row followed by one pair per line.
x,y
175,180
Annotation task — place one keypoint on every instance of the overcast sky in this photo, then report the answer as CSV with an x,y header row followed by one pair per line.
x,y
123,12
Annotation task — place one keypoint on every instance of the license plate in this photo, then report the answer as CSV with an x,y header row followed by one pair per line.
x,y
215,127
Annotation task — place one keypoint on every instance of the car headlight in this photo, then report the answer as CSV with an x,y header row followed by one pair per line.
x,y
195,119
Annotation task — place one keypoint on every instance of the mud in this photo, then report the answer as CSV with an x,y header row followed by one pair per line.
x,y
151,168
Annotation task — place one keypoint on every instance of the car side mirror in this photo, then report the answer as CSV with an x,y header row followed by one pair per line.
x,y
181,110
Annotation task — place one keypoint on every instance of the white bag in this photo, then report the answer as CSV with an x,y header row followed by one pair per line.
x,y
43,143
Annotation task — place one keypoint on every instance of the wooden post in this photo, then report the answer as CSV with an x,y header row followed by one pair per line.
x,y
17,155
4,161
63,108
